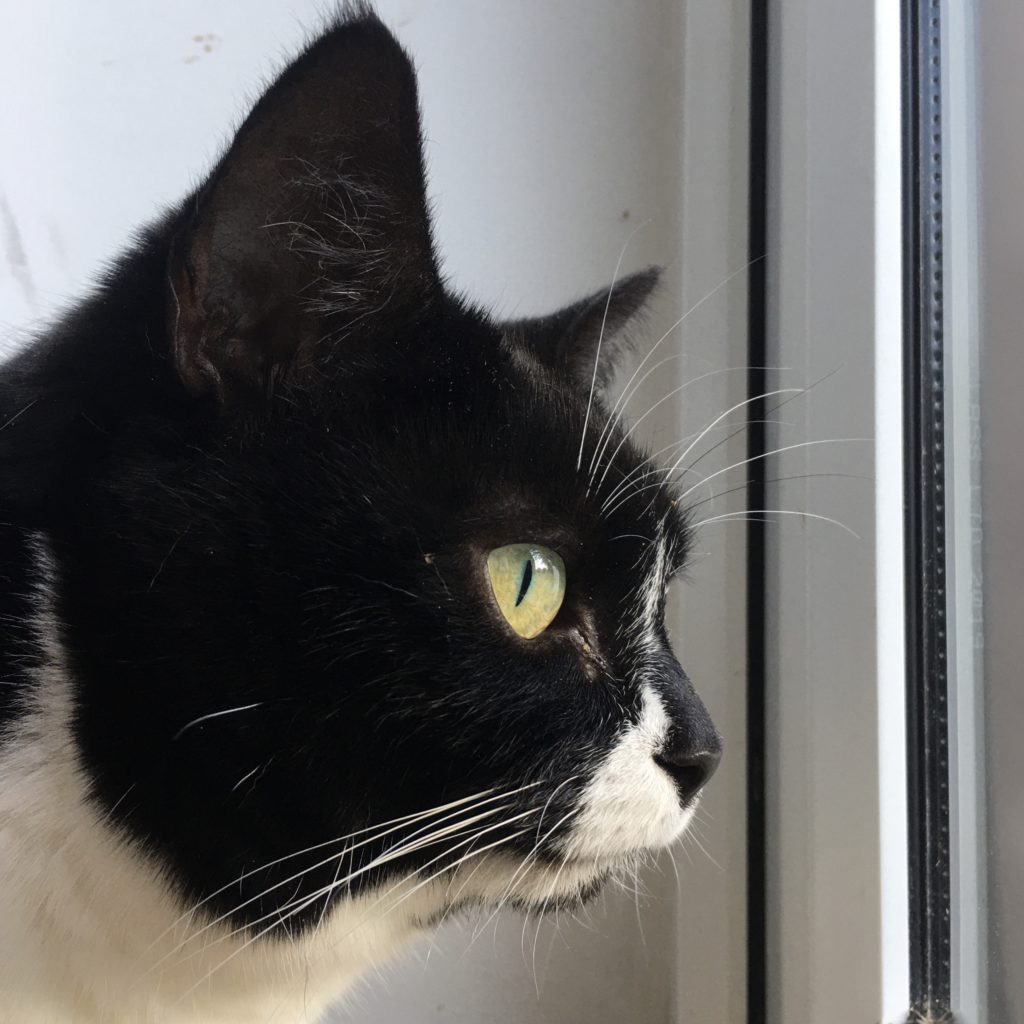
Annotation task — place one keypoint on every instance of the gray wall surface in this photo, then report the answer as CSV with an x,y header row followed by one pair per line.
x,y
1000,143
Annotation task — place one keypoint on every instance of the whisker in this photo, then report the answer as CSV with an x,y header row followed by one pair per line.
x,y
600,340
525,864
718,419
452,868
552,889
702,814
621,486
703,433
453,899
214,714
686,850
533,955
739,517
18,415
615,417
703,850
778,451
675,870
327,901
306,901
547,803
247,775
775,408
457,864
639,916
774,480
636,423
666,473
612,416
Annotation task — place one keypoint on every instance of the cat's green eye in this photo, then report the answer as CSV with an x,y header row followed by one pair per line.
x,y
528,581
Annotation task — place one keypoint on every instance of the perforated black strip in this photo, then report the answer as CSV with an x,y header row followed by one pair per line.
x,y
927,670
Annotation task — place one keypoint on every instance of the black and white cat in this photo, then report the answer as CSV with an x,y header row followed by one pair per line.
x,y
328,604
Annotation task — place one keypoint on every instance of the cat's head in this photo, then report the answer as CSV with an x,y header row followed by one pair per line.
x,y
369,583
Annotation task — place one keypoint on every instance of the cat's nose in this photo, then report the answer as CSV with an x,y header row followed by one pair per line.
x,y
689,769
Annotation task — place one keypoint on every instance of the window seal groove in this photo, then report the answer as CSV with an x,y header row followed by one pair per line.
x,y
928,799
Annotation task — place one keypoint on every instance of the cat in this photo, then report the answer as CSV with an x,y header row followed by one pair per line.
x,y
331,605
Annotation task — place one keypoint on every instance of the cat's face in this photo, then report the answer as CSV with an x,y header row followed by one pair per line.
x,y
303,669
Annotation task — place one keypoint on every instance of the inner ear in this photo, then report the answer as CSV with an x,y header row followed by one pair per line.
x,y
313,226
590,335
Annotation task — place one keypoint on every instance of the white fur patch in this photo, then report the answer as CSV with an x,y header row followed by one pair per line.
x,y
630,803
653,590
639,632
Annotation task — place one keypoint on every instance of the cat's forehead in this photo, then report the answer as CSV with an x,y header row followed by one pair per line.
x,y
538,431
566,463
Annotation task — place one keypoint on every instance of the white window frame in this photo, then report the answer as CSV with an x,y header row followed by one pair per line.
x,y
836,773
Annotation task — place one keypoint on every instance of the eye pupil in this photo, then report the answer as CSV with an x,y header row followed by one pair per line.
x,y
527,579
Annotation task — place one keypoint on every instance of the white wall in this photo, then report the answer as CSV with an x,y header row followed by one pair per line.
x,y
555,129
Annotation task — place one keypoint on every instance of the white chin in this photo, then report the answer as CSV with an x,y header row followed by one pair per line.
x,y
629,805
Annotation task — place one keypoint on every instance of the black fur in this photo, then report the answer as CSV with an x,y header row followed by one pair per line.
x,y
270,454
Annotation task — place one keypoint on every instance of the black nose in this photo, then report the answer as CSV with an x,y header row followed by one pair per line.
x,y
688,769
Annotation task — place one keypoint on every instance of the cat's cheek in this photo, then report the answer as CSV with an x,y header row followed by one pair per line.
x,y
630,804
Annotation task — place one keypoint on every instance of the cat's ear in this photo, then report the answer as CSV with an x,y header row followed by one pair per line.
x,y
568,340
313,226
